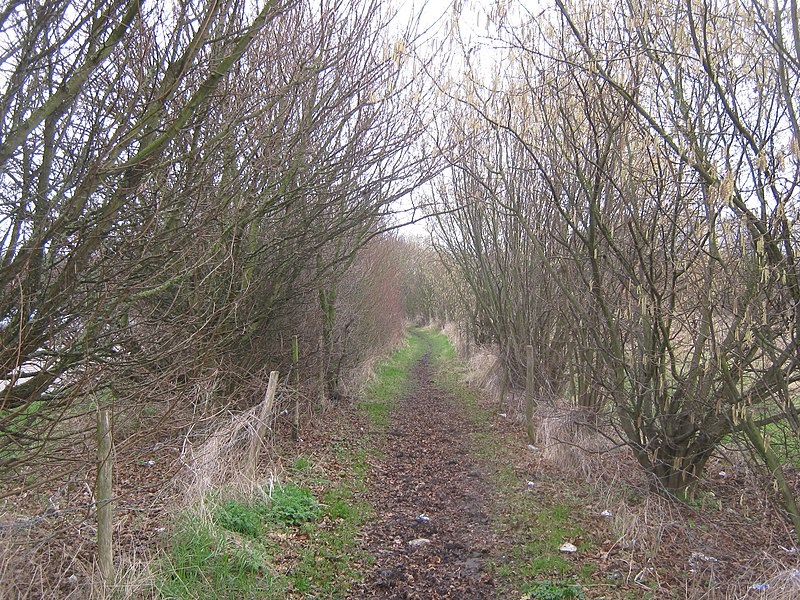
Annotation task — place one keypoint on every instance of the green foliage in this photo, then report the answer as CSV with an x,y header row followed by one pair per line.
x,y
291,505
232,554
301,464
203,562
549,590
238,518
339,504
323,567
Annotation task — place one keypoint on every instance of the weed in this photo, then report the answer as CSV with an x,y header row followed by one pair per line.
x,y
238,518
203,562
231,555
291,505
301,464
549,590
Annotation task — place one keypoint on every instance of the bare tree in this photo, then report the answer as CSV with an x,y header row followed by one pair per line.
x,y
659,194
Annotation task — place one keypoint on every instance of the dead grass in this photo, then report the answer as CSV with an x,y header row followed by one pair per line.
x,y
34,564
784,585
484,370
218,460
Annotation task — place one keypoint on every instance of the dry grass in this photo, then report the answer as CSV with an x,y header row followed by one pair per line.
x,y
662,539
358,378
47,537
784,585
567,440
219,460
484,370
640,519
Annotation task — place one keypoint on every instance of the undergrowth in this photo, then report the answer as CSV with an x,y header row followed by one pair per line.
x,y
291,544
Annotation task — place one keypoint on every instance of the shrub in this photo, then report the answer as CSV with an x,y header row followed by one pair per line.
x,y
292,505
238,518
549,590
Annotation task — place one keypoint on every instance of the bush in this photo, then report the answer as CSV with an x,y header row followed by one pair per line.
x,y
238,518
292,505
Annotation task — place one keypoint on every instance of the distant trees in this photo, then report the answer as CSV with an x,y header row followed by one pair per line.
x,y
181,185
633,173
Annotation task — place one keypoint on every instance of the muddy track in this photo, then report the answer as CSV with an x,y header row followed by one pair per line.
x,y
432,534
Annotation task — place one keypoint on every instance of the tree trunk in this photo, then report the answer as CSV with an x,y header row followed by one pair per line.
x,y
261,426
296,366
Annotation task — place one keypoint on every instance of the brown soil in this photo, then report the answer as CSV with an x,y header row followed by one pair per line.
x,y
432,536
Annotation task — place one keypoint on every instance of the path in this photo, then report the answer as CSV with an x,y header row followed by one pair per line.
x,y
427,469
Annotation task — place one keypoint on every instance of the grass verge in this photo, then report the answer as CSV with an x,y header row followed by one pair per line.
x,y
392,380
299,543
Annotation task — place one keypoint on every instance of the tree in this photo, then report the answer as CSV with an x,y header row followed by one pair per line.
x,y
658,201
190,176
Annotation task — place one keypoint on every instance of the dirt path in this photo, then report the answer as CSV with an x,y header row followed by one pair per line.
x,y
427,471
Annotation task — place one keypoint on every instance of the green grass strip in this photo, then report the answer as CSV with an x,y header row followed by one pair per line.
x,y
393,378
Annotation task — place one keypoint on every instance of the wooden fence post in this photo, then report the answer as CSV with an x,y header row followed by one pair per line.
x,y
529,397
104,495
322,371
296,366
261,425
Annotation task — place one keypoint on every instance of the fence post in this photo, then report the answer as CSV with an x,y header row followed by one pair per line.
x,y
296,366
261,425
104,495
529,398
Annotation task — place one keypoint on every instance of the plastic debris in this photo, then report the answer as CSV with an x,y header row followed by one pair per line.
x,y
760,587
567,547
723,474
532,448
504,415
607,514
423,518
700,557
419,542
150,463
531,484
